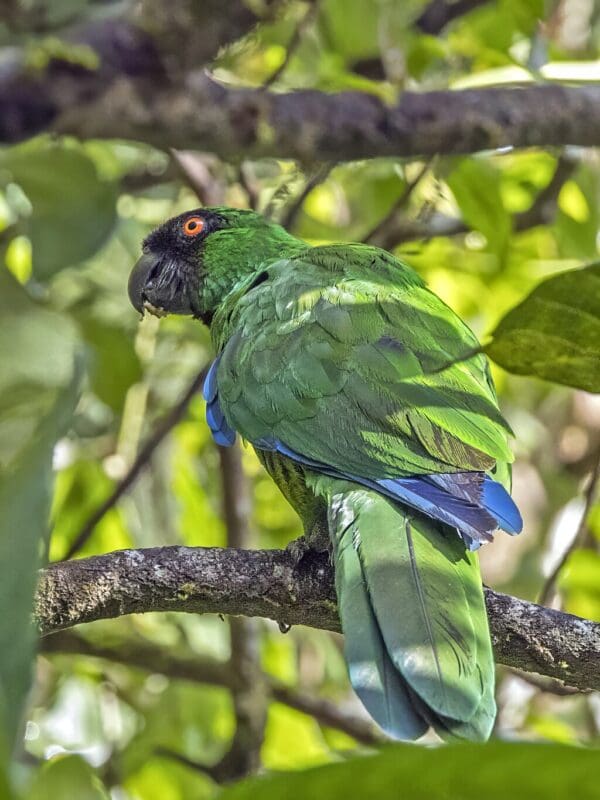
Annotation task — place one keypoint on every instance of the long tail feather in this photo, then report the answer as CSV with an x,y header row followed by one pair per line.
x,y
373,676
413,615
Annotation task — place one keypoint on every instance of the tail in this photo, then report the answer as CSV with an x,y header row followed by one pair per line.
x,y
411,604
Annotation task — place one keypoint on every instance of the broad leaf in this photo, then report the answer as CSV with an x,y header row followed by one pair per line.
x,y
72,210
66,777
476,186
555,332
470,772
38,383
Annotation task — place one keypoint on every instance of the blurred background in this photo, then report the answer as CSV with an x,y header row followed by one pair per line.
x,y
147,702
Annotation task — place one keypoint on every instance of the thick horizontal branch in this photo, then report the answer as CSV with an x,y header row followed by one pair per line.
x,y
312,125
134,93
267,583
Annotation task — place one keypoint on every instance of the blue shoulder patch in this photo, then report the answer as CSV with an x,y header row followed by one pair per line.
x,y
222,432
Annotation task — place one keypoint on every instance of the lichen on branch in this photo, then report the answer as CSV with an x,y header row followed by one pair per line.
x,y
268,583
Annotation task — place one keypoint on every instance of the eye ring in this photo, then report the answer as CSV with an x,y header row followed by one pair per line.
x,y
193,226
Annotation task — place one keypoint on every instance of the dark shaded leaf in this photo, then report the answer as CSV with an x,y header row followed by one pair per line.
x,y
469,772
73,211
555,332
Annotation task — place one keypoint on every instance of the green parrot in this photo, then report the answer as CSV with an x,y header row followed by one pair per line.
x,y
366,399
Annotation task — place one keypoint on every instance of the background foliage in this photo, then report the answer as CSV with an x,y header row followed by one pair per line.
x,y
483,231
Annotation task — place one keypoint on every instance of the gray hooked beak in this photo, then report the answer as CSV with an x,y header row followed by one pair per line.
x,y
138,280
157,285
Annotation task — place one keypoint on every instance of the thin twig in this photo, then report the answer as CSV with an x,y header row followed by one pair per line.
x,y
186,761
580,537
540,212
250,695
543,208
192,166
162,429
196,669
294,43
379,230
439,13
249,189
318,177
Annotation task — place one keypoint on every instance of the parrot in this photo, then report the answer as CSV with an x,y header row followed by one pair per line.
x,y
372,407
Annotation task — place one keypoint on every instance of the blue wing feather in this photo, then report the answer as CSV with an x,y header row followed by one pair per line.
x,y
471,502
222,432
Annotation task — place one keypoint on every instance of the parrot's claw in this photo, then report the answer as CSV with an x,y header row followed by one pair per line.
x,y
298,549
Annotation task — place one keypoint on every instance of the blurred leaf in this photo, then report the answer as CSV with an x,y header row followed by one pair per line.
x,y
73,211
38,387
476,185
555,332
580,582
495,771
292,740
165,779
578,216
64,778
114,365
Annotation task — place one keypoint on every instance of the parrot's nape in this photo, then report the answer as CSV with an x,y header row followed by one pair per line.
x,y
368,402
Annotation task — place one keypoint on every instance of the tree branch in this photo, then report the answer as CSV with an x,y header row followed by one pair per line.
x,y
439,13
318,177
311,125
398,229
250,695
581,537
197,669
294,42
133,95
267,583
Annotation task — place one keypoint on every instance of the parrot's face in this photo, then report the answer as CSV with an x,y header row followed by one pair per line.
x,y
191,262
168,277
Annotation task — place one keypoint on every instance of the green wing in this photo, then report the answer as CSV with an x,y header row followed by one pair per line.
x,y
342,354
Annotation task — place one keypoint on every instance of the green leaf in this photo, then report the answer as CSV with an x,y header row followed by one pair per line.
x,y
114,365
578,214
469,772
72,210
66,777
476,185
580,584
38,387
554,333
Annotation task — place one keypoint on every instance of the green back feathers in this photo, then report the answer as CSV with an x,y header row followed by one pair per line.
x,y
349,333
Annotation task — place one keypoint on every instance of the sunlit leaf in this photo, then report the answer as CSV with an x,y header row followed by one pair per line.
x,y
475,184
580,583
66,777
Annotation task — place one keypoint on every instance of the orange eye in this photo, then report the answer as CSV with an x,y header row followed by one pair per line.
x,y
193,226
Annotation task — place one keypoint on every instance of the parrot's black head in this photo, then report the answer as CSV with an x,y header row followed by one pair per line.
x,y
192,261
166,279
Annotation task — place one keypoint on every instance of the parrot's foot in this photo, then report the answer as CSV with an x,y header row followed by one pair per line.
x,y
298,549
317,542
